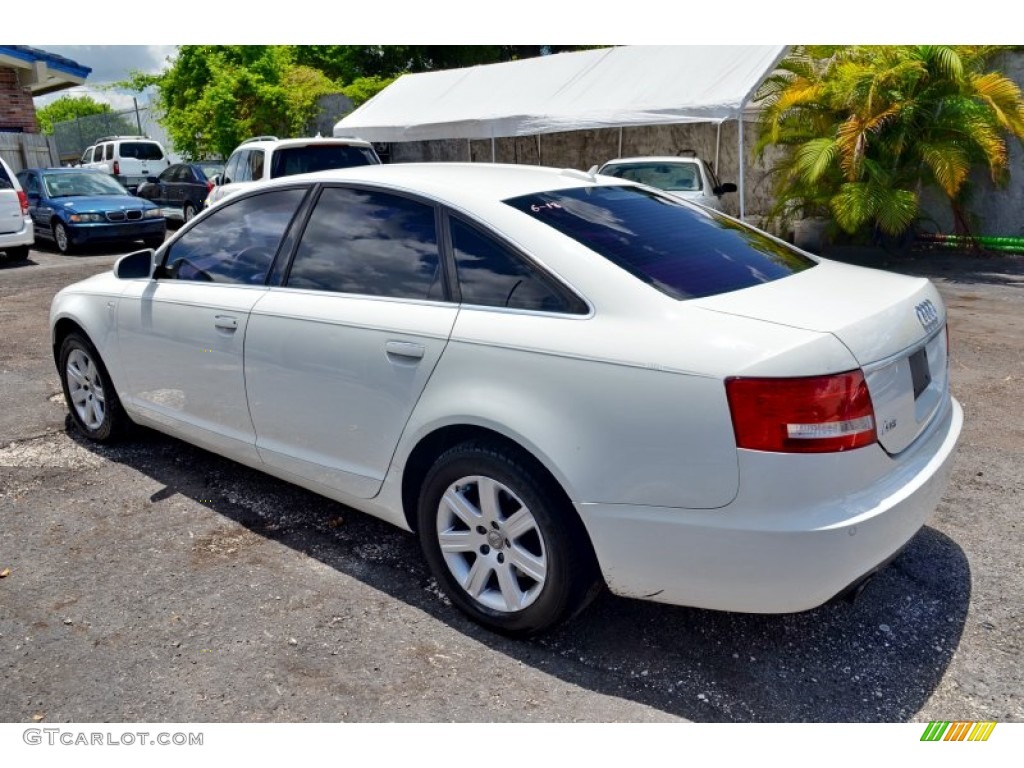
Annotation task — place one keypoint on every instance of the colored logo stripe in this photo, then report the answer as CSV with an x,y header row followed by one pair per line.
x,y
960,730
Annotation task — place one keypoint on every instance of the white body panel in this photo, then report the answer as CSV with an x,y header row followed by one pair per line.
x,y
182,345
16,227
332,380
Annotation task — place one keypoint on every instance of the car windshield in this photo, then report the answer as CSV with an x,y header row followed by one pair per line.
x,y
672,177
210,169
72,184
319,157
141,150
682,250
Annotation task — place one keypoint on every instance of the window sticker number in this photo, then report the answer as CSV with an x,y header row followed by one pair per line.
x,y
544,206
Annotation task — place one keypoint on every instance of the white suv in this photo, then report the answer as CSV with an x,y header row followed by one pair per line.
x,y
16,231
268,157
686,176
132,160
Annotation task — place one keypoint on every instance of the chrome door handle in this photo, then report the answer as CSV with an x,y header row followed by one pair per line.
x,y
225,323
405,349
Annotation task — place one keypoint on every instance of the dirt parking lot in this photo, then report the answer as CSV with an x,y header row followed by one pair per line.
x,y
154,581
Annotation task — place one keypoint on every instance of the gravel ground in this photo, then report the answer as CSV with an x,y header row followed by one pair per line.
x,y
154,581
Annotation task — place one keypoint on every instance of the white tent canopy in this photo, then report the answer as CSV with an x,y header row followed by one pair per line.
x,y
601,88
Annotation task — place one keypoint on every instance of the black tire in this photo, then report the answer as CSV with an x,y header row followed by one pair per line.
x,y
17,254
92,401
187,213
62,239
487,555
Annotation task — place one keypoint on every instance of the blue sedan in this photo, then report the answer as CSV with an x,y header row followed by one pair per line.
x,y
79,206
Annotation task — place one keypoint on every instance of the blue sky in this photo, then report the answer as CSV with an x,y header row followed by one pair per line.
x,y
109,63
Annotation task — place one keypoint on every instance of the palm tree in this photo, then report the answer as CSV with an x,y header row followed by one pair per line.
x,y
864,129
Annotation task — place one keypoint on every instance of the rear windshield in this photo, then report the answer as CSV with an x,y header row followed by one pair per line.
x,y
141,150
319,157
673,177
210,169
683,251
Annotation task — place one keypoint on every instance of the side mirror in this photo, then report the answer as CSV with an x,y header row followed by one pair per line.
x,y
725,188
135,265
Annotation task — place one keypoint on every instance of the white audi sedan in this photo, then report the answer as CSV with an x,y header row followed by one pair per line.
x,y
559,381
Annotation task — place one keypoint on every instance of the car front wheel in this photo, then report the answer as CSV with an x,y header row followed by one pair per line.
x,y
502,541
62,238
92,401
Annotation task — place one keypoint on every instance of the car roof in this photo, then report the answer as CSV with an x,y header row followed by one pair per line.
x,y
653,159
459,183
265,143
71,170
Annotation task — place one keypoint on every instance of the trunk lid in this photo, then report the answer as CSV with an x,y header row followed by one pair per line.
x,y
892,324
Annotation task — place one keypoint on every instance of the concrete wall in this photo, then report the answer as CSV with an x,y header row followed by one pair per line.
x,y
583,149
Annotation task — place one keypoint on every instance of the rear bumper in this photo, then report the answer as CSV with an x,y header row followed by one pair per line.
x,y
786,544
24,236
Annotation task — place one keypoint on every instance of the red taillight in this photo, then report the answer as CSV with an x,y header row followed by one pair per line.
x,y
23,199
817,414
117,168
209,186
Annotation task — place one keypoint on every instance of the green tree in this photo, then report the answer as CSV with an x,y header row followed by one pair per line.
x,y
212,97
864,129
68,108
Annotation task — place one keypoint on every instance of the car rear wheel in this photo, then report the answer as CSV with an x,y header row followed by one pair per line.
x,y
62,238
188,213
92,401
502,541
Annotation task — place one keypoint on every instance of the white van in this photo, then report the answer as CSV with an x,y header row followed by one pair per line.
x,y
17,233
132,160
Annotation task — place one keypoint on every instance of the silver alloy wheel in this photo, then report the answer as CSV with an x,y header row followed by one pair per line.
x,y
491,543
86,389
61,236
189,214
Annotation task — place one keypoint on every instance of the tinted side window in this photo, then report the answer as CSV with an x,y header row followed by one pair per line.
x,y
370,243
256,164
170,174
244,172
231,171
685,252
5,180
491,275
109,152
236,243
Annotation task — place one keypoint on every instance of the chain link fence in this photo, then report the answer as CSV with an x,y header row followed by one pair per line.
x,y
75,136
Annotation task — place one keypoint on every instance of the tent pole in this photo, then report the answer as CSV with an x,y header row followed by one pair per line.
x,y
742,163
469,149
620,141
718,147
538,150
493,156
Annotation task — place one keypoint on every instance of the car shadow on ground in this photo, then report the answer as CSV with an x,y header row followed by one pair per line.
x,y
876,660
